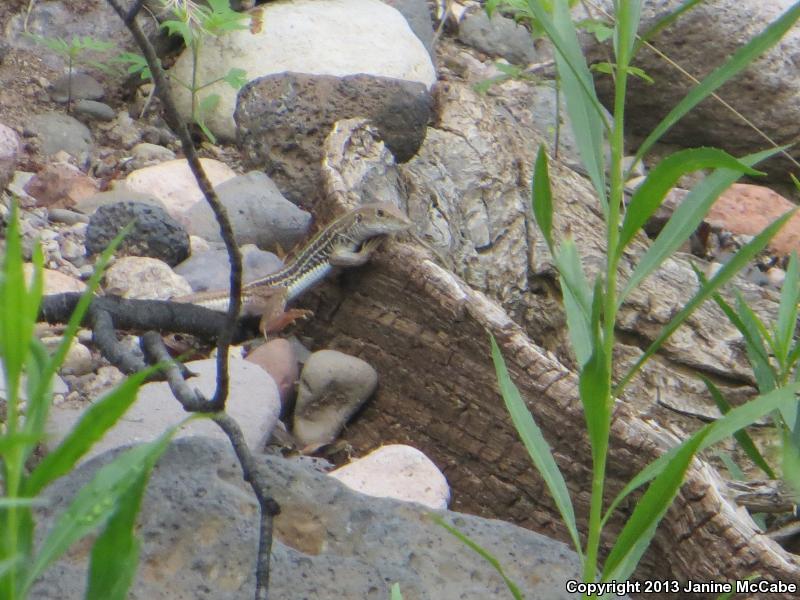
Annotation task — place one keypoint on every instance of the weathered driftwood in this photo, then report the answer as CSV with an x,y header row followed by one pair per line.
x,y
425,328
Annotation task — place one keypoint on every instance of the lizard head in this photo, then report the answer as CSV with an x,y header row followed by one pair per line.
x,y
380,219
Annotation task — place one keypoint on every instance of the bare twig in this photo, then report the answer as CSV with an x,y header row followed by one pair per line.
x,y
235,257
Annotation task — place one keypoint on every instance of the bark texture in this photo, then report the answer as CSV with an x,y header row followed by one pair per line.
x,y
422,319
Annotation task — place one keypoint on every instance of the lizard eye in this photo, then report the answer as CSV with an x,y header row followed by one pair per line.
x,y
380,212
359,217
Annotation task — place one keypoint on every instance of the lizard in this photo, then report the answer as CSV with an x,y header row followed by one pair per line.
x,y
348,241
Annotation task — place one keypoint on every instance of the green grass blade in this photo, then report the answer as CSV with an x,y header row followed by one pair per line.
x,y
396,595
641,525
628,16
577,299
738,418
536,445
735,64
756,351
485,554
93,424
593,385
725,274
787,312
115,554
687,217
83,305
15,330
665,22
583,107
790,461
766,377
97,501
542,198
649,196
741,436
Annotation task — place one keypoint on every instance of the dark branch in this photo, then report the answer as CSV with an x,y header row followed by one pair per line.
x,y
235,257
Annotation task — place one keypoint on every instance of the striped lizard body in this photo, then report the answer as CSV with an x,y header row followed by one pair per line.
x,y
348,241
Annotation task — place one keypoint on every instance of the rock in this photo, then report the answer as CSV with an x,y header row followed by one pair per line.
x,y
82,85
124,131
340,37
498,36
210,270
66,216
418,16
146,155
58,131
277,358
258,212
173,184
61,185
55,282
700,42
9,154
748,209
333,386
253,401
199,522
295,112
154,234
97,111
58,387
78,360
144,278
89,205
776,276
399,472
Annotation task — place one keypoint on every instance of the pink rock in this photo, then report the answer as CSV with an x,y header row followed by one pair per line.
x,y
397,471
61,185
55,282
748,209
277,357
9,154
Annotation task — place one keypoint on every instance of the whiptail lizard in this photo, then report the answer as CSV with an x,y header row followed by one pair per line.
x,y
349,241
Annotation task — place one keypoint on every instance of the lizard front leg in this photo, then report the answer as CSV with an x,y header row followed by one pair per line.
x,y
341,257
270,304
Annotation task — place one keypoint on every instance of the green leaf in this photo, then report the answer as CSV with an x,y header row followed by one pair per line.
x,y
485,554
95,421
787,312
790,461
181,28
537,446
687,217
601,30
542,198
740,60
585,111
236,78
741,436
649,510
756,352
628,15
577,299
115,554
665,22
594,384
97,501
641,74
396,595
650,194
738,418
755,334
725,274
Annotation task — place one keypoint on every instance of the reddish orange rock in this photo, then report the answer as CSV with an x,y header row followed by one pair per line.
x,y
60,185
748,209
277,357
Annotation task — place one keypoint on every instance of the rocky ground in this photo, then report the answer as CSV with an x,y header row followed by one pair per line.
x,y
80,176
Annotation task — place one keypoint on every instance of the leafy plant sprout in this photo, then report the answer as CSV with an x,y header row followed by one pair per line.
x,y
76,51
591,306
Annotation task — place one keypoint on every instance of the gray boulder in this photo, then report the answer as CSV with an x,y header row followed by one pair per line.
x,y
199,522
